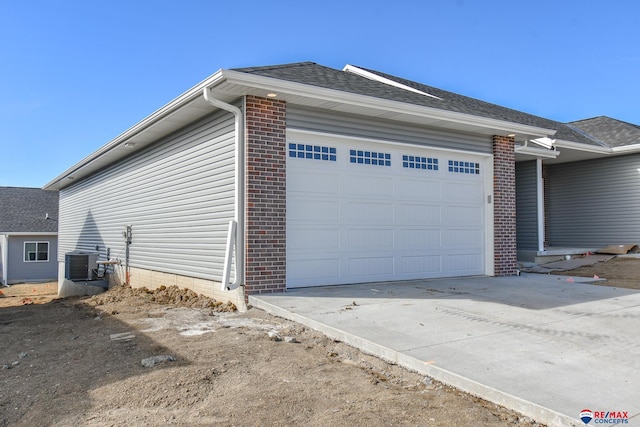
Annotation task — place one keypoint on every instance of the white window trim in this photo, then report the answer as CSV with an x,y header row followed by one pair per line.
x,y
24,250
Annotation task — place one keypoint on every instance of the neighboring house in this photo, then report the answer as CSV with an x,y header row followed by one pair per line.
x,y
268,178
28,235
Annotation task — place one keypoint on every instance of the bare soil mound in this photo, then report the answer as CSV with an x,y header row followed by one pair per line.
x,y
139,357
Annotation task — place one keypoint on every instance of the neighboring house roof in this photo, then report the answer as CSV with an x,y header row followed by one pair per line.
x,y
610,132
24,210
347,81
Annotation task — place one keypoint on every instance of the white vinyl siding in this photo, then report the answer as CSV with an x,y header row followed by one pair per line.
x,y
526,206
323,121
177,195
594,202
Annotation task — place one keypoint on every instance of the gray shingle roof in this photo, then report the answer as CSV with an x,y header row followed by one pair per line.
x,y
24,210
318,75
611,132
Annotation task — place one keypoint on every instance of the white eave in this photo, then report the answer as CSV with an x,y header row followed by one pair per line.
x,y
536,152
29,233
229,85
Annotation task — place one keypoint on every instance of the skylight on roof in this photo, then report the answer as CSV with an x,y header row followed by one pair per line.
x,y
372,76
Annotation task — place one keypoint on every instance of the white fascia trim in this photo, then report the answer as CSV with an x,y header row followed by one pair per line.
x,y
582,147
372,76
332,95
145,123
537,152
628,149
30,233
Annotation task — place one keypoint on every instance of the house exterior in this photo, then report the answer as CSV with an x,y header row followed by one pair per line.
x,y
28,235
268,178
587,197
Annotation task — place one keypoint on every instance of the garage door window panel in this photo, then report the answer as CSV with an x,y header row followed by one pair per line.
x,y
374,158
313,152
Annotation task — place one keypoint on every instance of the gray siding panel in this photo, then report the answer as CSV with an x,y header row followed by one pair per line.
x,y
526,206
178,196
595,202
19,270
365,127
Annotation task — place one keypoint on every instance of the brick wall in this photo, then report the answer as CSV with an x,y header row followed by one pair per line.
x,y
265,253
504,205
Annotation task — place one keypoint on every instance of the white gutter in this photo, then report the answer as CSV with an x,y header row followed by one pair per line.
x,y
582,147
29,233
538,152
626,149
235,238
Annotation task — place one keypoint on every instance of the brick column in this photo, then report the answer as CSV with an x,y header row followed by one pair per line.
x,y
266,203
504,205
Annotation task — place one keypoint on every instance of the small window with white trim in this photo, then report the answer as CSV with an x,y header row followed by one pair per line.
x,y
315,152
417,162
36,251
458,166
365,157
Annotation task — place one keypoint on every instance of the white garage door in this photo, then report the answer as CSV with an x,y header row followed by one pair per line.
x,y
367,212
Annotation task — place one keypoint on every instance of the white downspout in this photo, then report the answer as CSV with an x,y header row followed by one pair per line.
x,y
4,253
540,204
235,237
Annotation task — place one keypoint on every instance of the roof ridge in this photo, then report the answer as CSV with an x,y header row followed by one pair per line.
x,y
274,66
587,135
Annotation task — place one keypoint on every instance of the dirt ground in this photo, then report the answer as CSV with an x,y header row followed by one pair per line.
x,y
619,272
79,362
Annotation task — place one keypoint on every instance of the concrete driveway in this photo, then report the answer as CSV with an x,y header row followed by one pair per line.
x,y
543,345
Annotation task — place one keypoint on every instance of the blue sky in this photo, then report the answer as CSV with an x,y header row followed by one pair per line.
x,y
75,74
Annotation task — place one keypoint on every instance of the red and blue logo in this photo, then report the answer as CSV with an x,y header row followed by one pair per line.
x,y
586,416
604,417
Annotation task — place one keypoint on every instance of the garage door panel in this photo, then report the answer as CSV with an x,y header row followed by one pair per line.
x,y
313,211
471,193
419,214
313,239
320,183
370,213
367,268
470,216
463,263
359,222
370,186
463,237
420,238
370,238
426,189
421,265
310,271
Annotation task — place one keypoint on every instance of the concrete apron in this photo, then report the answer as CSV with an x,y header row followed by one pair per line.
x,y
545,346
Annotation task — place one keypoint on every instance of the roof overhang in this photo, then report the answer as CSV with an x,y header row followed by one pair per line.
x,y
228,85
29,233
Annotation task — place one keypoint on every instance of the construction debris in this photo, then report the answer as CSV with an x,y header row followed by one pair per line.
x,y
619,249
